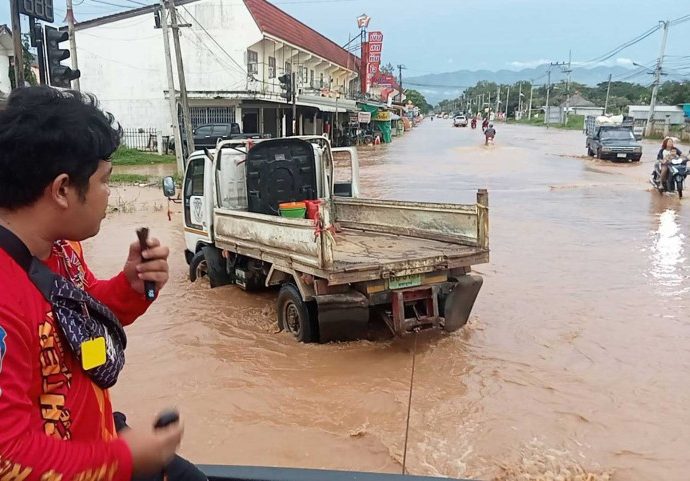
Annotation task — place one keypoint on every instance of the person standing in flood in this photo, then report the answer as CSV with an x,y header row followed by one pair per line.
x,y
61,342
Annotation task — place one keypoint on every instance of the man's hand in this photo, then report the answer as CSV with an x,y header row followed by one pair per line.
x,y
152,450
154,267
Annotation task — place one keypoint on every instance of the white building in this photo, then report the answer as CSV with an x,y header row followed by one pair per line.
x,y
673,113
578,105
233,53
6,53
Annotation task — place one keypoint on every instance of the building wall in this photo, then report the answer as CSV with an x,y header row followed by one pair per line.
x,y
123,63
5,85
676,115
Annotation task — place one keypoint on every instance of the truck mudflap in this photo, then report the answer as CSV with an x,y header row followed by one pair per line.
x,y
457,305
342,317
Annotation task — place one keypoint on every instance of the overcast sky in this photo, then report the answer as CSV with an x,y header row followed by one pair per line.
x,y
431,36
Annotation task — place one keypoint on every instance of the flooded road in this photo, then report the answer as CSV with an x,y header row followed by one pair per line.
x,y
577,352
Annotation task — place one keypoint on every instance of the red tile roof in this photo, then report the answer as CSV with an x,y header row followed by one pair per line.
x,y
275,22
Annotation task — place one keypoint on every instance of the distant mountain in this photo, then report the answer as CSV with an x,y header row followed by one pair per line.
x,y
437,87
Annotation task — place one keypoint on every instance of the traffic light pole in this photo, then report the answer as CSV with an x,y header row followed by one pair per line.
x,y
189,137
18,47
72,44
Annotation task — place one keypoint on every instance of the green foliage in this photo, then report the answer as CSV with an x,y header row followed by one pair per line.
x,y
129,179
29,75
418,100
621,95
126,156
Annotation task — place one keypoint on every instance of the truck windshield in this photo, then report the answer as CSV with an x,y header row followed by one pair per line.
x,y
622,134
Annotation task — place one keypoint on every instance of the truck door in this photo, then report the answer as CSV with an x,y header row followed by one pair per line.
x,y
197,202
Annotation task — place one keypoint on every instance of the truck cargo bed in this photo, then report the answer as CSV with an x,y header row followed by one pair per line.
x,y
358,250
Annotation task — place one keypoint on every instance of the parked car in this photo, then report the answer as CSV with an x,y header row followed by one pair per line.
x,y
208,135
459,121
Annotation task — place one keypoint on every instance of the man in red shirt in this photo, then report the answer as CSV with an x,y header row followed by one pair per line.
x,y
56,423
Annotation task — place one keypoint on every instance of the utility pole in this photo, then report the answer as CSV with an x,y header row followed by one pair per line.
x,y
72,44
172,96
657,80
520,98
531,93
294,106
548,90
498,99
400,69
189,137
507,99
608,91
567,88
18,47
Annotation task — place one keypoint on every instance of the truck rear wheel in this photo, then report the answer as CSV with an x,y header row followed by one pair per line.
x,y
296,316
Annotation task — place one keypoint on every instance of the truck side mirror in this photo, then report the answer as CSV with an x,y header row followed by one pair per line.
x,y
169,187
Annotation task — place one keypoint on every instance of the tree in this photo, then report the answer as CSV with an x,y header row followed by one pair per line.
x,y
674,93
29,75
388,68
418,100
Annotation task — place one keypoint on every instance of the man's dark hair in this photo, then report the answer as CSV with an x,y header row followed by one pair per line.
x,y
45,132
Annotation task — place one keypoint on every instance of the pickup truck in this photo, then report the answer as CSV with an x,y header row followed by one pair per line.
x,y
353,260
208,135
459,121
614,139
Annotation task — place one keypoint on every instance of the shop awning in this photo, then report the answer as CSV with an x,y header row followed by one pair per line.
x,y
327,104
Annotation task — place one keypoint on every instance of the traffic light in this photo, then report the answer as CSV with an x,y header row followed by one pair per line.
x,y
58,74
286,85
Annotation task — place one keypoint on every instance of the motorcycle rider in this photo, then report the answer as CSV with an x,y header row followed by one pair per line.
x,y
474,122
485,124
489,133
667,152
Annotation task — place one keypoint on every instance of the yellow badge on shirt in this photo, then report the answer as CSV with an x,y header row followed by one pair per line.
x,y
93,353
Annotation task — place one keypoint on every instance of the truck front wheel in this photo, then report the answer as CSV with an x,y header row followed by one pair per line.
x,y
296,316
197,266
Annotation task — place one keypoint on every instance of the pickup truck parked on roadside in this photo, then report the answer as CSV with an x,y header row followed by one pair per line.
x,y
353,259
612,138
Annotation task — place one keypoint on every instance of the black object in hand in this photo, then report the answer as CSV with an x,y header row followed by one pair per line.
x,y
149,286
166,418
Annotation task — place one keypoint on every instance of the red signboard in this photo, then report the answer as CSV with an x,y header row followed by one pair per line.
x,y
375,47
375,37
374,58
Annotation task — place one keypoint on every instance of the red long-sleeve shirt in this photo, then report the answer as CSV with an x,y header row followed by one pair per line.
x,y
55,423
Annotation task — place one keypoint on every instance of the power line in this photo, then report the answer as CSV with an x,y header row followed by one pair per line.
x,y
103,2
241,69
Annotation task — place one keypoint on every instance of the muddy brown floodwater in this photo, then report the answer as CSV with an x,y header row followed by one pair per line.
x,y
576,357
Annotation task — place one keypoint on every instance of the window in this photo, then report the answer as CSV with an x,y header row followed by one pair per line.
x,y
252,62
321,80
271,67
304,75
288,67
206,130
194,187
311,79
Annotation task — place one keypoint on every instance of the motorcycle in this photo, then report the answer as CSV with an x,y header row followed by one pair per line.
x,y
677,172
474,124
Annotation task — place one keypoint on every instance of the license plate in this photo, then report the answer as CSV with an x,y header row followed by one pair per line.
x,y
404,282
622,156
